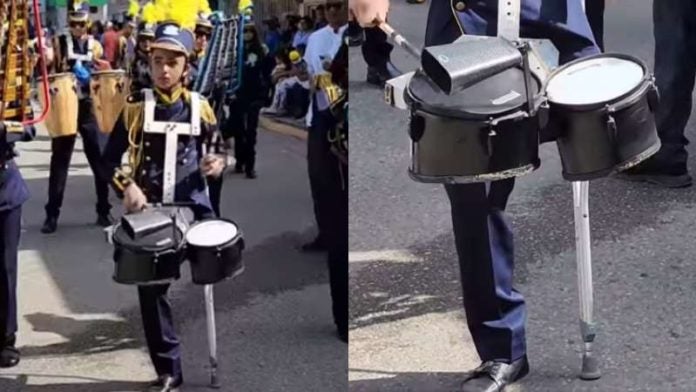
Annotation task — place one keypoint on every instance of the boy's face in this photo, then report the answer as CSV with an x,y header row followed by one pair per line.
x,y
167,68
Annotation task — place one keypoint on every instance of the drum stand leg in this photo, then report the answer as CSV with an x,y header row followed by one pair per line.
x,y
212,338
590,365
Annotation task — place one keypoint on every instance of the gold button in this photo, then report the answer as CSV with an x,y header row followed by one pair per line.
x,y
460,6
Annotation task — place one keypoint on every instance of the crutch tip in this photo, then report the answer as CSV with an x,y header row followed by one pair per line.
x,y
590,369
215,383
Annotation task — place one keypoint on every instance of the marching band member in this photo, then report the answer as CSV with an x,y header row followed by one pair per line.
x,y
139,69
78,52
495,311
203,31
674,73
248,101
13,193
337,186
169,68
322,46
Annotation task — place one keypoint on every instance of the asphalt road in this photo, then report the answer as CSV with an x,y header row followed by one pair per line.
x,y
408,328
81,332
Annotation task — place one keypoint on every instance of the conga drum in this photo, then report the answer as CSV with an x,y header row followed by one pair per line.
x,y
108,90
61,119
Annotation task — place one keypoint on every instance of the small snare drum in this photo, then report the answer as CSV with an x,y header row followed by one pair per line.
x,y
214,250
604,108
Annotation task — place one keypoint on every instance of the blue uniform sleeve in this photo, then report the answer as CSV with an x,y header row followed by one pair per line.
x,y
113,154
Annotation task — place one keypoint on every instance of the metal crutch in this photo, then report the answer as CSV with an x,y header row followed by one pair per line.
x,y
208,294
590,364
212,335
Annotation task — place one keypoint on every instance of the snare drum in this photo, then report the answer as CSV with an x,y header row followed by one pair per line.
x,y
604,106
108,90
154,258
479,134
214,250
61,119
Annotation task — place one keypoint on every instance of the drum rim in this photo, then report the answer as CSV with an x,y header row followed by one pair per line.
x,y
108,72
62,75
417,104
647,76
232,240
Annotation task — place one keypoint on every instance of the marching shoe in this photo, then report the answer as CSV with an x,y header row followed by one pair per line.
x,y
494,376
50,225
105,220
165,383
9,357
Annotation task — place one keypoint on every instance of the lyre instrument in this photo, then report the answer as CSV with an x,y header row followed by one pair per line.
x,y
220,71
16,63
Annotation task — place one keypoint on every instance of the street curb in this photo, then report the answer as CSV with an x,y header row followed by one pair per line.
x,y
282,128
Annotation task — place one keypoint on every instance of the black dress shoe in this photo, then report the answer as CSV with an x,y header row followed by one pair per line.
x,y
379,75
50,225
165,384
251,174
342,334
9,357
315,246
494,376
105,220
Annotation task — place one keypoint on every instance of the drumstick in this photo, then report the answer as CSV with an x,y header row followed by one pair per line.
x,y
399,39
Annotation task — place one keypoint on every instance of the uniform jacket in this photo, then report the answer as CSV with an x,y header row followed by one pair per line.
x,y
190,183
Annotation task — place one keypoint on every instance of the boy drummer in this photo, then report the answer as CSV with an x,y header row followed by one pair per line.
x,y
144,183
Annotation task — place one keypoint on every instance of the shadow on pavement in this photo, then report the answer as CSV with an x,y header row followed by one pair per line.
x,y
96,336
409,381
18,383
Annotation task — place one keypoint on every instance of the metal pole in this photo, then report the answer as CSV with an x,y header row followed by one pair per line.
x,y
210,318
212,336
590,366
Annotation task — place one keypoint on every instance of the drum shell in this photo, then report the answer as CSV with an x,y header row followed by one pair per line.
x,y
212,264
61,119
145,268
457,150
109,91
591,147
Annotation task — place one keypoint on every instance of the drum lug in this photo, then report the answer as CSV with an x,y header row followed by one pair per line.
x,y
611,124
416,127
653,97
543,113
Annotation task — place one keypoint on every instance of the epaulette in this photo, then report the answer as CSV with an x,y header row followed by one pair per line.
x,y
133,111
207,113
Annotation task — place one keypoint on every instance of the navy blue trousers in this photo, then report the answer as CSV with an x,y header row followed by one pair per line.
x,y
61,153
158,323
162,341
10,229
675,68
495,311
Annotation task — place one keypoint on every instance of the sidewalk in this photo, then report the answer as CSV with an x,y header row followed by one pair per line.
x,y
80,331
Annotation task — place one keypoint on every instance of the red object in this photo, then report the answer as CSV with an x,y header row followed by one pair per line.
x,y
111,42
44,70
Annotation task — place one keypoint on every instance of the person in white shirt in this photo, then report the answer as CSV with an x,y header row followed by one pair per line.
x,y
322,45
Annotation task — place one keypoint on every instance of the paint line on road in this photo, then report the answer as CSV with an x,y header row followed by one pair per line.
x,y
389,255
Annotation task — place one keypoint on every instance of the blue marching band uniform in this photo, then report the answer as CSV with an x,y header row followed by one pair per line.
x,y
163,343
13,193
77,53
495,311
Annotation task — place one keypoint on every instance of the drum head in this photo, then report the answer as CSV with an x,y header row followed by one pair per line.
x,y
212,232
594,80
502,93
155,242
